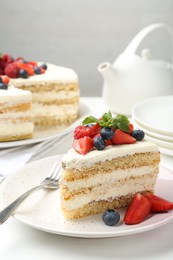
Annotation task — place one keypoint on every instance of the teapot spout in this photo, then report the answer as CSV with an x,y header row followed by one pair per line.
x,y
106,70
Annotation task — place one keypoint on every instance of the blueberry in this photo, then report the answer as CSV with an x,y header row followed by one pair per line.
x,y
37,70
3,86
99,143
111,217
138,134
107,133
23,74
44,66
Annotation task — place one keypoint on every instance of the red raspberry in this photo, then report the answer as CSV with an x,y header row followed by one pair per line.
x,y
81,131
1,71
12,70
2,64
7,58
94,129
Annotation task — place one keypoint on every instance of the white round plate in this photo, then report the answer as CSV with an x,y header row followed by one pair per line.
x,y
40,136
42,209
151,133
155,114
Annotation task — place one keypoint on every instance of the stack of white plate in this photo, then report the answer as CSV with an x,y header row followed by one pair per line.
x,y
155,117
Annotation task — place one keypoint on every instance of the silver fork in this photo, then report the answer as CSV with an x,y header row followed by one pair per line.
x,y
50,182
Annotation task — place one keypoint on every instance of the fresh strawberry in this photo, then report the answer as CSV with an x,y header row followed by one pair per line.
x,y
5,79
83,145
121,137
138,210
28,67
42,70
130,128
12,70
33,63
158,204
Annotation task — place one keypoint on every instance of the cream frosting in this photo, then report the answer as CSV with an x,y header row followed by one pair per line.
x,y
108,178
108,192
50,96
13,95
53,74
12,129
53,110
72,159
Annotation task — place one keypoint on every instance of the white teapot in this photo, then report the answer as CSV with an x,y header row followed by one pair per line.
x,y
132,78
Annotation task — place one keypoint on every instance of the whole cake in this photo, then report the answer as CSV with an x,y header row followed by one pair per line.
x,y
16,120
109,163
55,90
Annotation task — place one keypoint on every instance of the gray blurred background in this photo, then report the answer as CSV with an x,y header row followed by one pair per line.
x,y
81,34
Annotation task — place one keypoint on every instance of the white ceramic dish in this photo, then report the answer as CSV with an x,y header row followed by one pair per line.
x,y
42,209
40,136
155,114
151,133
160,143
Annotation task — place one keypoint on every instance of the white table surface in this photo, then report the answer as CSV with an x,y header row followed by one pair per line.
x,y
19,241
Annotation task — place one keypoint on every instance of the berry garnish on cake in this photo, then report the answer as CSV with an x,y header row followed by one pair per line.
x,y
19,67
142,206
107,130
4,80
109,163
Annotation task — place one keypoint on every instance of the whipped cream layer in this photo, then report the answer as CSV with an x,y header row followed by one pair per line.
x,y
24,115
53,110
15,129
75,160
110,191
13,95
108,178
53,74
54,96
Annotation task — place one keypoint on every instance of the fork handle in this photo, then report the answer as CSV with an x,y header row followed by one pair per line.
x,y
8,211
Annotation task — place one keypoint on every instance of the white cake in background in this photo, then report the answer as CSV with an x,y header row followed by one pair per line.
x,y
16,121
107,179
55,96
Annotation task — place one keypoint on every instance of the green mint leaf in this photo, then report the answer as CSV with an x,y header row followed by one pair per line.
x,y
107,116
89,120
121,122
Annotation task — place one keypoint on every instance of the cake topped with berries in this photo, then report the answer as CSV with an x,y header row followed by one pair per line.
x,y
15,112
108,164
55,90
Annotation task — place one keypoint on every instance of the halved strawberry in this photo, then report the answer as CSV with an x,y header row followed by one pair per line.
x,y
5,79
28,67
131,127
138,210
33,63
158,204
121,137
83,145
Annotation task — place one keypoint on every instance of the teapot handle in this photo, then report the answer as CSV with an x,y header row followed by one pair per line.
x,y
134,44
